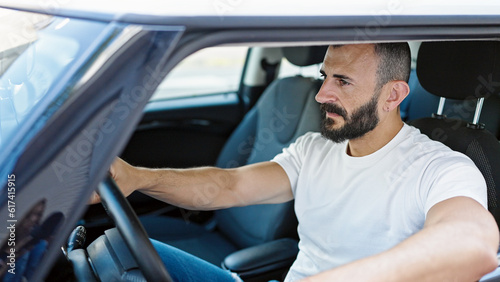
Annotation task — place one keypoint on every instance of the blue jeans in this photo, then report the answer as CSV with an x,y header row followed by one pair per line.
x,y
184,267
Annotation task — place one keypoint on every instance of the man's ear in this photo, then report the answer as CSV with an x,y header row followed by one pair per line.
x,y
398,90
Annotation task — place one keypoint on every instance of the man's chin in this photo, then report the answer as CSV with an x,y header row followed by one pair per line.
x,y
332,135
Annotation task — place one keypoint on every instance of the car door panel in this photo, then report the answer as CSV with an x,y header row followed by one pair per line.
x,y
183,132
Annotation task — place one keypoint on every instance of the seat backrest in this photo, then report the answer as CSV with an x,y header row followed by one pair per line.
x,y
285,111
467,71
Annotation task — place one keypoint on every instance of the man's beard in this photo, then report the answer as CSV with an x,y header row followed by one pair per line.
x,y
360,122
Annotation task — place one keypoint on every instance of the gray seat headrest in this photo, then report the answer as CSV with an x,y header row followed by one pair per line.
x,y
305,55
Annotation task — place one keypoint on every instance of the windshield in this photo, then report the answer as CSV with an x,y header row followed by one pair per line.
x,y
36,52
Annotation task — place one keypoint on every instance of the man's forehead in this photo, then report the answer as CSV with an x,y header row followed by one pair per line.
x,y
352,49
347,54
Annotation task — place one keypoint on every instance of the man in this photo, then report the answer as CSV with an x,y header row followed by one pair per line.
x,y
375,199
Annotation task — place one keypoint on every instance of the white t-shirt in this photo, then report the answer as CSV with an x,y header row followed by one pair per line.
x,y
353,207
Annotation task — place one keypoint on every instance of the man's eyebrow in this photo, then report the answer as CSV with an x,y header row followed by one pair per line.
x,y
341,76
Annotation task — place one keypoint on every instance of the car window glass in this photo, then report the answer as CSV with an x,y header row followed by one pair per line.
x,y
34,55
288,69
208,71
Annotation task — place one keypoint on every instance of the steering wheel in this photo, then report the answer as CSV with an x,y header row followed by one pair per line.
x,y
132,231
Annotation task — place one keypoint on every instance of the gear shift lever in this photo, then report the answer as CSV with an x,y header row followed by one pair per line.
x,y
77,239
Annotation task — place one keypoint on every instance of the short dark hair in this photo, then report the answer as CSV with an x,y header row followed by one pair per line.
x,y
394,62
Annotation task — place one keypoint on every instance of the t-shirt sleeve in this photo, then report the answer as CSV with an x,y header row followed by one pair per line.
x,y
452,177
291,159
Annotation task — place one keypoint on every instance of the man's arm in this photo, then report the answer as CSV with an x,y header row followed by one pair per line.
x,y
206,188
458,243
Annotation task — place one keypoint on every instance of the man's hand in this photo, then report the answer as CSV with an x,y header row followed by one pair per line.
x,y
126,177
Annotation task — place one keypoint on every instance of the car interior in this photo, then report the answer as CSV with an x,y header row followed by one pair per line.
x,y
454,99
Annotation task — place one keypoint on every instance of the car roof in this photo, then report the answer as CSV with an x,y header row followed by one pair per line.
x,y
120,9
237,14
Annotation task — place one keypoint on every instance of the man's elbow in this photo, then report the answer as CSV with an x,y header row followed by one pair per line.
x,y
488,254
490,261
484,262
491,254
489,243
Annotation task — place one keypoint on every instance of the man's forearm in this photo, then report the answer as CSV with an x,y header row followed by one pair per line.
x,y
199,188
205,188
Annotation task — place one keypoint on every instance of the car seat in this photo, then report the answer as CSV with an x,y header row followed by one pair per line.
x,y
457,70
286,110
465,71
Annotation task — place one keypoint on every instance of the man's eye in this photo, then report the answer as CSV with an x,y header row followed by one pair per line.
x,y
323,76
343,82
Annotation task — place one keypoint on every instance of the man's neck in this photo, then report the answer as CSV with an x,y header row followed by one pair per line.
x,y
376,139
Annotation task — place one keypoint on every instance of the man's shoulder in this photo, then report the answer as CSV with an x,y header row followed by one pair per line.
x,y
418,139
423,145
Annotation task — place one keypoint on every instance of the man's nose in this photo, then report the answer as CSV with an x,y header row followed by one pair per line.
x,y
327,94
